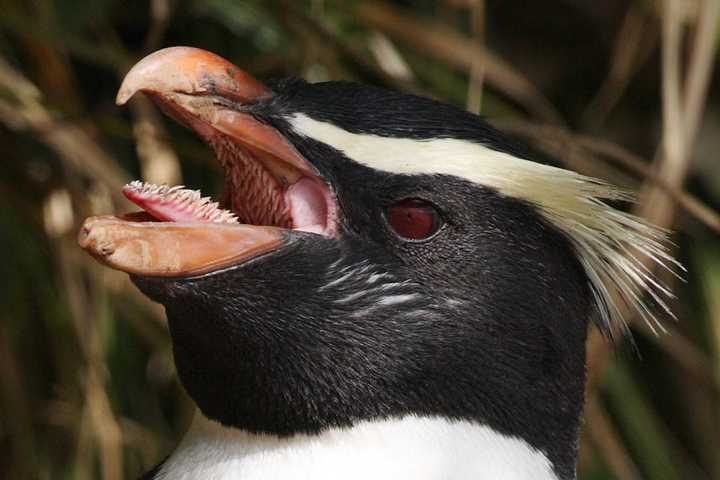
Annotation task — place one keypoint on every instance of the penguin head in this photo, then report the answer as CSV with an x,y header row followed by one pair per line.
x,y
374,254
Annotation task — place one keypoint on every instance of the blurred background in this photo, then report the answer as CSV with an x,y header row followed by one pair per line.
x,y
619,89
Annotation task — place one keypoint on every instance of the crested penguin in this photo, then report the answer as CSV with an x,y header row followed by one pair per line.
x,y
388,287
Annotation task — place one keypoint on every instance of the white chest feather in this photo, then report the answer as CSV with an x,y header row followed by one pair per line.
x,y
408,448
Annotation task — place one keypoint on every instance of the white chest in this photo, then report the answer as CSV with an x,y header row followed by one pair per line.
x,y
407,448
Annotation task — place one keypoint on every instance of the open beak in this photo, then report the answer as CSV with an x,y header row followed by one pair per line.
x,y
270,189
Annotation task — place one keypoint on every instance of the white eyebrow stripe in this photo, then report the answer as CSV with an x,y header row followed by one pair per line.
x,y
411,156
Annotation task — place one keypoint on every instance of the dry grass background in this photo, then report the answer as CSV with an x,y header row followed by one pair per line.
x,y
620,89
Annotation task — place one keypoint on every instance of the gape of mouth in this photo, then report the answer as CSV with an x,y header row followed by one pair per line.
x,y
253,194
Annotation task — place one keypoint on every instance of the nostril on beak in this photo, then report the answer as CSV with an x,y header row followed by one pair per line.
x,y
83,237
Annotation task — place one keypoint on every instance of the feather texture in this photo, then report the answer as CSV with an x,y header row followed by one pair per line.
x,y
618,251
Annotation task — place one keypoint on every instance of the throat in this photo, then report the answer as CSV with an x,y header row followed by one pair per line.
x,y
409,447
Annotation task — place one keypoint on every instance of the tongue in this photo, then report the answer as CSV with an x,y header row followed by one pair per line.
x,y
175,204
305,199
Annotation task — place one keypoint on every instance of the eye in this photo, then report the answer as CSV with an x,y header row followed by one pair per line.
x,y
413,219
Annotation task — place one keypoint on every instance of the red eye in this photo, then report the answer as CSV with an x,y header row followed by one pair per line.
x,y
413,219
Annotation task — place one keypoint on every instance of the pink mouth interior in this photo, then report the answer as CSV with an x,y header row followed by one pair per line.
x,y
260,188
251,196
176,204
308,206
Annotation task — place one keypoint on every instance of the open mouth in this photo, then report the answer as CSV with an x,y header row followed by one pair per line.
x,y
270,190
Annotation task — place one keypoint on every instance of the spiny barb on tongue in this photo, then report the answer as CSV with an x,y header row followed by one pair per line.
x,y
176,204
251,192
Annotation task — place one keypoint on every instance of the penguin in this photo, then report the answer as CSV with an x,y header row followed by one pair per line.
x,y
388,287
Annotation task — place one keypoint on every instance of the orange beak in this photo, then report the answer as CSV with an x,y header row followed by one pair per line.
x,y
195,87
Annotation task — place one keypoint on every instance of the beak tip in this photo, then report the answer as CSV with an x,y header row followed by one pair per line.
x,y
131,84
187,70
123,95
